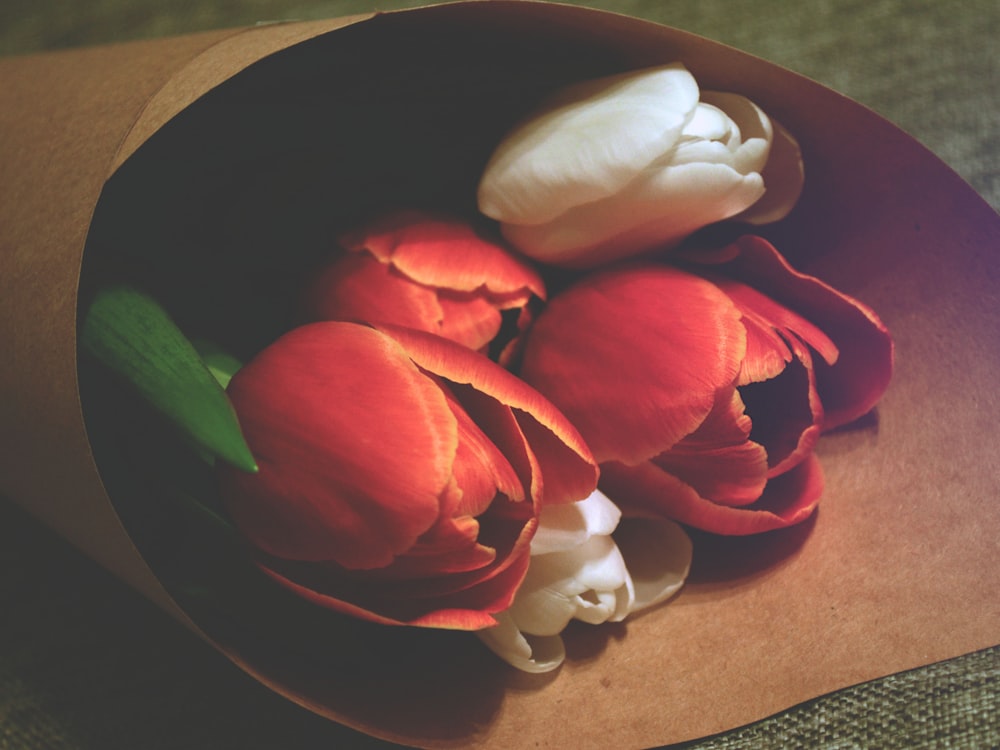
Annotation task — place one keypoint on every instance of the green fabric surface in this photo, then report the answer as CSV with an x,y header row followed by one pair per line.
x,y
950,704
86,664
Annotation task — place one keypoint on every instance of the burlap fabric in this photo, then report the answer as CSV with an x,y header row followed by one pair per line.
x,y
86,664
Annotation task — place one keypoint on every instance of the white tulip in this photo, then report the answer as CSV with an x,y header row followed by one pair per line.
x,y
616,166
578,571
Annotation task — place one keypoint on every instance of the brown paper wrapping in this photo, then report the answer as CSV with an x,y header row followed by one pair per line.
x,y
898,569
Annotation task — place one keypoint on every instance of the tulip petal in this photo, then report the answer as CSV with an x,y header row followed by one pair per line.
x,y
753,130
718,460
321,494
452,546
635,357
464,601
786,412
504,432
447,618
481,470
507,536
565,460
737,134
561,586
708,125
564,469
851,385
780,163
778,380
529,653
767,354
657,553
448,537
563,527
446,253
658,209
586,143
645,489
490,590
763,311
422,271
784,178
468,320
418,567
357,287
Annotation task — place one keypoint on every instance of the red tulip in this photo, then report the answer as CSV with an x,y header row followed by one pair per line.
x,y
401,475
702,390
430,273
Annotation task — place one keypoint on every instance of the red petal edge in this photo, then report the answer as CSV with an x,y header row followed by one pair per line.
x,y
562,453
850,387
647,490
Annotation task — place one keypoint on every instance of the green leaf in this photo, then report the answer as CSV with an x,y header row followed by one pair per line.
x,y
129,332
220,363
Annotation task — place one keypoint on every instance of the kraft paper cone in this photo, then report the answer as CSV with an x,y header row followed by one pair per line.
x,y
260,143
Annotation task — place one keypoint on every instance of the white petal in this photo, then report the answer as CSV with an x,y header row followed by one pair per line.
x,y
588,142
625,601
658,555
543,610
568,525
784,176
710,123
527,653
781,162
655,212
711,152
750,119
592,584
750,157
597,607
596,565
562,585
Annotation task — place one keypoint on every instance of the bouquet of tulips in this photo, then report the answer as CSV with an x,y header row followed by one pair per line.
x,y
505,421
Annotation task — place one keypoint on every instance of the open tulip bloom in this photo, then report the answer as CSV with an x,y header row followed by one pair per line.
x,y
400,475
702,389
426,448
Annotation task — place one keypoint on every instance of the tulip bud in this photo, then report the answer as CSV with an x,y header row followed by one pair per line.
x,y
432,273
579,571
616,166
702,390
